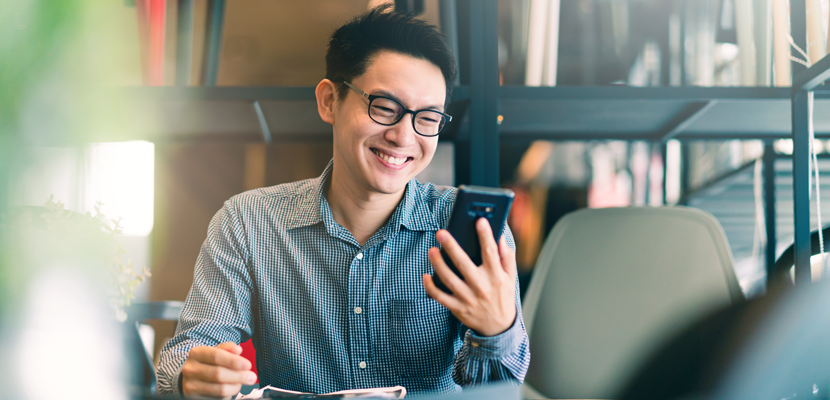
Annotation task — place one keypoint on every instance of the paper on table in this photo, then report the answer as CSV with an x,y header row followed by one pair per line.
x,y
257,393
395,392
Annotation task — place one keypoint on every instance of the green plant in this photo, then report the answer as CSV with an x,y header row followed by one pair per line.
x,y
51,235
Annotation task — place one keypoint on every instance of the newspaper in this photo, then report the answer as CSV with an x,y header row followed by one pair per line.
x,y
395,392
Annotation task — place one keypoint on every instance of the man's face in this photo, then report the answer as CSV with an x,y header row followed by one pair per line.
x,y
377,158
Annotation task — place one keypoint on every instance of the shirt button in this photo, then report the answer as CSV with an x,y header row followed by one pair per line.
x,y
359,256
358,310
362,365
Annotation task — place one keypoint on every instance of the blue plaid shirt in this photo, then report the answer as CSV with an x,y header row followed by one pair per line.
x,y
327,314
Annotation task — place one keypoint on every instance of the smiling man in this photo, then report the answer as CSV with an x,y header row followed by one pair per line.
x,y
331,276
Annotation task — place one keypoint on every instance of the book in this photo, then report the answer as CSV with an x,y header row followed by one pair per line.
x,y
781,49
815,31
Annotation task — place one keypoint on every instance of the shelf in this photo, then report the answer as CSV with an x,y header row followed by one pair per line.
x,y
530,113
632,113
731,200
228,113
224,113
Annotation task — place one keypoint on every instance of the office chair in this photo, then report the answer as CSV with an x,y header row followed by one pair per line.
x,y
142,368
610,285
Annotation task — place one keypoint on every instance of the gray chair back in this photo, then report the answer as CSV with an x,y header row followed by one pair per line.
x,y
611,285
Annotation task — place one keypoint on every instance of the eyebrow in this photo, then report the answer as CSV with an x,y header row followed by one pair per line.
x,y
384,93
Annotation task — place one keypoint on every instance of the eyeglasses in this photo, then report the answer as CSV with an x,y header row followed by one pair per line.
x,y
388,112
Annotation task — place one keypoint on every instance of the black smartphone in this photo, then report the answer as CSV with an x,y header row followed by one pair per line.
x,y
472,203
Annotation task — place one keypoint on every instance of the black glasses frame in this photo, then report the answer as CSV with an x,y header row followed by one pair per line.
x,y
372,98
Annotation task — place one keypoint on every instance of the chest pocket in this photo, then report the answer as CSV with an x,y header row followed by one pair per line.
x,y
422,333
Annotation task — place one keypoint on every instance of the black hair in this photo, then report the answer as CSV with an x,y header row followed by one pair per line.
x,y
353,45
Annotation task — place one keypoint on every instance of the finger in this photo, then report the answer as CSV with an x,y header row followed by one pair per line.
x,y
211,373
231,347
208,389
459,288
446,300
489,248
220,357
508,258
462,261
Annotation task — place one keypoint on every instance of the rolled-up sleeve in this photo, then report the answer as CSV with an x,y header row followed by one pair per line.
x,y
218,307
503,357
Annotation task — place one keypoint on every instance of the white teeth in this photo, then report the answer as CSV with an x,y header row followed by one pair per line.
x,y
390,160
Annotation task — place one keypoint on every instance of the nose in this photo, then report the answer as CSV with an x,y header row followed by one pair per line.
x,y
402,134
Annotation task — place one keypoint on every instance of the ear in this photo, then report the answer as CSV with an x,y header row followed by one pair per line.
x,y
325,93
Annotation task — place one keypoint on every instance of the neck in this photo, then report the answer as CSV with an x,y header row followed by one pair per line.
x,y
357,209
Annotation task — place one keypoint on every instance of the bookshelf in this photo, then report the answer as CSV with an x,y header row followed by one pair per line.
x,y
275,114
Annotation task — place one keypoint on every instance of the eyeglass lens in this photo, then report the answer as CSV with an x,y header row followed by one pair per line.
x,y
388,112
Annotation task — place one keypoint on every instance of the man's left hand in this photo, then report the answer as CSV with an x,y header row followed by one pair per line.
x,y
485,300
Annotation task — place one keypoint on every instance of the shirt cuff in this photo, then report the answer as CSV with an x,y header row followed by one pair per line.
x,y
177,382
498,346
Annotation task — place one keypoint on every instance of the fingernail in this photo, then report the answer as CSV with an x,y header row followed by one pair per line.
x,y
251,377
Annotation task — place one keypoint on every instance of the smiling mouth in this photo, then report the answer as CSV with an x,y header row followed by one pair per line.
x,y
389,159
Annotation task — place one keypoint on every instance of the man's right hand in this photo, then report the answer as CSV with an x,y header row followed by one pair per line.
x,y
216,371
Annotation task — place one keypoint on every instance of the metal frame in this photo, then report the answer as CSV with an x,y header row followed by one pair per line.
x,y
213,42
263,123
803,101
769,207
184,42
802,127
479,71
692,113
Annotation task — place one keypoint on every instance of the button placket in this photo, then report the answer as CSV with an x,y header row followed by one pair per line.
x,y
358,323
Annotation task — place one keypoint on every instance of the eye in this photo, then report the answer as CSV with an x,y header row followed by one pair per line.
x,y
429,119
383,109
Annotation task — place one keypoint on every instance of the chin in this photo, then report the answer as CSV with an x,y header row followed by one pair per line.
x,y
391,187
392,183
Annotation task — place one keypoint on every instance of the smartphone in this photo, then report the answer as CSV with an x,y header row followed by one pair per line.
x,y
472,203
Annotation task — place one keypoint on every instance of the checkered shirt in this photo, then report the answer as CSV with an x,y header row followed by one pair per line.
x,y
326,313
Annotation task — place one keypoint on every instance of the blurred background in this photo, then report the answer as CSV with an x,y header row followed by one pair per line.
x,y
111,102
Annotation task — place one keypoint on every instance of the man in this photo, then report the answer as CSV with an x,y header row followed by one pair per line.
x,y
331,276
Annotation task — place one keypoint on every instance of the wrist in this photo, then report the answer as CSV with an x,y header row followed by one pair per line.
x,y
497,329
494,347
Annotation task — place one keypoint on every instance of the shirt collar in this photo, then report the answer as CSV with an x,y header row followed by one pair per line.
x,y
307,204
413,212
